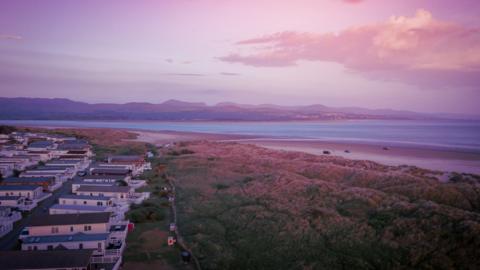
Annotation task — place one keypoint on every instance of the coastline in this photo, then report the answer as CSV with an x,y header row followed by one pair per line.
x,y
439,159
168,136
446,160
433,159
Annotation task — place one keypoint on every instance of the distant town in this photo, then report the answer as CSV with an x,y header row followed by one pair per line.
x,y
60,209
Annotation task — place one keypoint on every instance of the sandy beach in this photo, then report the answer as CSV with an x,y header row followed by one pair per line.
x,y
446,160
428,158
434,159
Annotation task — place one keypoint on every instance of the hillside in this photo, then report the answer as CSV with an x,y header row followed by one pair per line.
x,y
174,110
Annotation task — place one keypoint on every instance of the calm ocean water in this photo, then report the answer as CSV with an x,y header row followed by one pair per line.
x,y
444,134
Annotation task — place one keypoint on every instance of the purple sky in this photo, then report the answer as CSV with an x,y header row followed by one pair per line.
x,y
421,55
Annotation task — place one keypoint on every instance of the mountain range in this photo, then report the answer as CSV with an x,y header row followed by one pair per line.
x,y
175,110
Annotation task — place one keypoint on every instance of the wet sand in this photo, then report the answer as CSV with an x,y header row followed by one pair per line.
x,y
434,159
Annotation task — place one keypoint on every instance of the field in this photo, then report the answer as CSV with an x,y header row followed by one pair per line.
x,y
246,207
147,246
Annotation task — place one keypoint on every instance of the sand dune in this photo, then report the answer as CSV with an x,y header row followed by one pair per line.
x,y
429,158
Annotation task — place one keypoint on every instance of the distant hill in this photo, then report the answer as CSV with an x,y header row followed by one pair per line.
x,y
175,110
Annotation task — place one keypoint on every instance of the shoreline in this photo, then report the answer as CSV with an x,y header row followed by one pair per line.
x,y
433,159
439,159
446,160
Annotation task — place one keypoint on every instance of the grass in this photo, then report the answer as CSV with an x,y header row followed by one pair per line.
x,y
148,211
153,215
220,186
103,151
135,250
317,224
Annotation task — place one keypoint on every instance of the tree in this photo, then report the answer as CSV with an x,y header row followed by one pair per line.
x,y
16,173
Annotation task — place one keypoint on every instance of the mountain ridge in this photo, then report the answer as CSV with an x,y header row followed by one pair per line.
x,y
22,108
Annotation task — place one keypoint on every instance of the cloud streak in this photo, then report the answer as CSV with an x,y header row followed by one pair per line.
x,y
229,74
352,1
186,74
402,48
10,37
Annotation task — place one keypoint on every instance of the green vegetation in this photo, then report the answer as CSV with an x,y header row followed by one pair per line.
x,y
241,207
380,220
151,217
220,186
266,211
103,151
186,152
7,129
148,211
16,173
135,240
247,179
180,152
147,244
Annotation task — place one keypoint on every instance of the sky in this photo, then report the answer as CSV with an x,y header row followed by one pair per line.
x,y
420,55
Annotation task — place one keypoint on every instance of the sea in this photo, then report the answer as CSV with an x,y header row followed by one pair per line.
x,y
452,134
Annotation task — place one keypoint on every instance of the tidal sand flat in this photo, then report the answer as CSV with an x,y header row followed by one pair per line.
x,y
450,160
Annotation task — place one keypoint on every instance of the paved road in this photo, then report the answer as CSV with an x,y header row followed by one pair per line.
x,y
10,241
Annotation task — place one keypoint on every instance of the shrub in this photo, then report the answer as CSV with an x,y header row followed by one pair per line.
x,y
186,152
122,183
247,179
220,186
149,211
146,214
7,129
173,153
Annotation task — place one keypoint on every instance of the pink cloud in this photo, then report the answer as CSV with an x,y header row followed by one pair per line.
x,y
401,48
352,1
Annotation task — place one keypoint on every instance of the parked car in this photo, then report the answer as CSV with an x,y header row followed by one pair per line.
x,y
82,173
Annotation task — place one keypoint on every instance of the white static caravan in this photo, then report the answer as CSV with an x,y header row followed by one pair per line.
x,y
71,199
58,209
29,192
89,223
95,242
